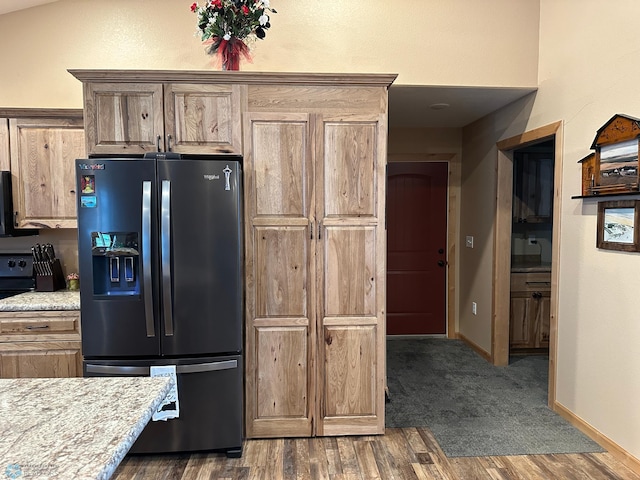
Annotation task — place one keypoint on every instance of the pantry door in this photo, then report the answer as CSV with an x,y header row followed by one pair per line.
x,y
416,248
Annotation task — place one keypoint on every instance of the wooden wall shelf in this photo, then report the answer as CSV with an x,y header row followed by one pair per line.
x,y
607,195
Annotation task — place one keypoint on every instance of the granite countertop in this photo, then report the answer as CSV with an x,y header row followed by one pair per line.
x,y
73,428
59,300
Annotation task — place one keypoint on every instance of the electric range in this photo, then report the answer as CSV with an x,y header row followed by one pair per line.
x,y
16,274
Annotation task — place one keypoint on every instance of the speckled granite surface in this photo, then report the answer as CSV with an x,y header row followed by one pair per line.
x,y
60,300
73,428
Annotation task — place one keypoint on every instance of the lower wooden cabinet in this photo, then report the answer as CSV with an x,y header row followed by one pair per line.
x,y
40,344
530,310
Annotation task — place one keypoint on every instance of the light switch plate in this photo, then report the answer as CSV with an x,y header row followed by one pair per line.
x,y
469,241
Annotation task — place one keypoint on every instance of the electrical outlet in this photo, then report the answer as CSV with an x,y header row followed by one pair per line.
x,y
474,308
469,241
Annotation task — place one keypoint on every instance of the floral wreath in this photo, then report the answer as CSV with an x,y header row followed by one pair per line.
x,y
225,24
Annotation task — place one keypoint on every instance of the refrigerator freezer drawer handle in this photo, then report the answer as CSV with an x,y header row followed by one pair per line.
x,y
182,369
146,259
165,236
115,370
207,367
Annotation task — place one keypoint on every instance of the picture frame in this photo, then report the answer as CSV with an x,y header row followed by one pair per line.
x,y
618,225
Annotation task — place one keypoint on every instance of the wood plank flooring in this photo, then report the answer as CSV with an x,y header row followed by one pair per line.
x,y
402,453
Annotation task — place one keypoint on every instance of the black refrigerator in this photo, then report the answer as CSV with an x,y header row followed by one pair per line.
x,y
160,242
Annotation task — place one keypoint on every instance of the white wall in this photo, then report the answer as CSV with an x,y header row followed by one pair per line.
x,y
589,70
428,42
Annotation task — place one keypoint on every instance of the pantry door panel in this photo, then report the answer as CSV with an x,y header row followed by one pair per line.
x,y
351,257
280,273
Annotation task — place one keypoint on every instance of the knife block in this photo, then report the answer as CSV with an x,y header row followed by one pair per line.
x,y
49,282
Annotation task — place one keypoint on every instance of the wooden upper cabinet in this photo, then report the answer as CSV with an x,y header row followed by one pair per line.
x,y
202,118
123,118
135,118
533,188
43,151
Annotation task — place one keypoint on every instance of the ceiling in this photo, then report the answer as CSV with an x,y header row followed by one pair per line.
x,y
446,107
7,6
409,106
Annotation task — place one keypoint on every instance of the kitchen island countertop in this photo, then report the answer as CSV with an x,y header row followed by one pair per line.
x,y
73,428
31,301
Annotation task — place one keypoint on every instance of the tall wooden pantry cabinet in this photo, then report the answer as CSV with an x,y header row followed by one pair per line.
x,y
314,152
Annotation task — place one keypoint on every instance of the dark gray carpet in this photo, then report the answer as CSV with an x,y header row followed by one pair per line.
x,y
473,408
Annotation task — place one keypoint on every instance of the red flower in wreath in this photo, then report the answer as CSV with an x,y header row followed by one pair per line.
x,y
194,7
245,9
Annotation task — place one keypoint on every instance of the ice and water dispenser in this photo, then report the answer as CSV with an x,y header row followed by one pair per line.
x,y
116,263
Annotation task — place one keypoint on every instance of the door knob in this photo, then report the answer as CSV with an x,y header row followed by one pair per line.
x,y
441,263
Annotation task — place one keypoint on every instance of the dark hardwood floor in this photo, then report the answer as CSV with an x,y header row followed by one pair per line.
x,y
402,453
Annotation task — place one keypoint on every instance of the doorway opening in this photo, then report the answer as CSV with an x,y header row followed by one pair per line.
x,y
526,245
531,249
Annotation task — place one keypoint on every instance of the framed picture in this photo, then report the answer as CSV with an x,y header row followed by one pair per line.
x,y
619,163
618,225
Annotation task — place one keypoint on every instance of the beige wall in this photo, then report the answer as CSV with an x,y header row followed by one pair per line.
x,y
430,42
585,79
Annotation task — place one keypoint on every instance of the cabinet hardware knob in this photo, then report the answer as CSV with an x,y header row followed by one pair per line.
x,y
169,143
158,143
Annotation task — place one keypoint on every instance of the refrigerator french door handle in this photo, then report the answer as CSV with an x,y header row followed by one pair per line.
x,y
146,259
165,247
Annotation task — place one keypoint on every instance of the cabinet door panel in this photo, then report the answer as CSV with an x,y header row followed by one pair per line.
x,y
280,276
43,155
203,118
123,118
40,360
350,180
281,167
349,271
350,168
281,257
349,377
541,312
283,381
351,385
520,322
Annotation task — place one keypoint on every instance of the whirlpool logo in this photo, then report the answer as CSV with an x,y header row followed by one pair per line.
x,y
30,470
13,470
211,177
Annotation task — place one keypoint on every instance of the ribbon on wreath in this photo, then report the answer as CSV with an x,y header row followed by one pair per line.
x,y
228,51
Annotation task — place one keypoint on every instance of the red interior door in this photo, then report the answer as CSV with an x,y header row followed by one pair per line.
x,y
416,247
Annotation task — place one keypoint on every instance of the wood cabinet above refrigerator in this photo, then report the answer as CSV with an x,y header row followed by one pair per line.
x,y
135,118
